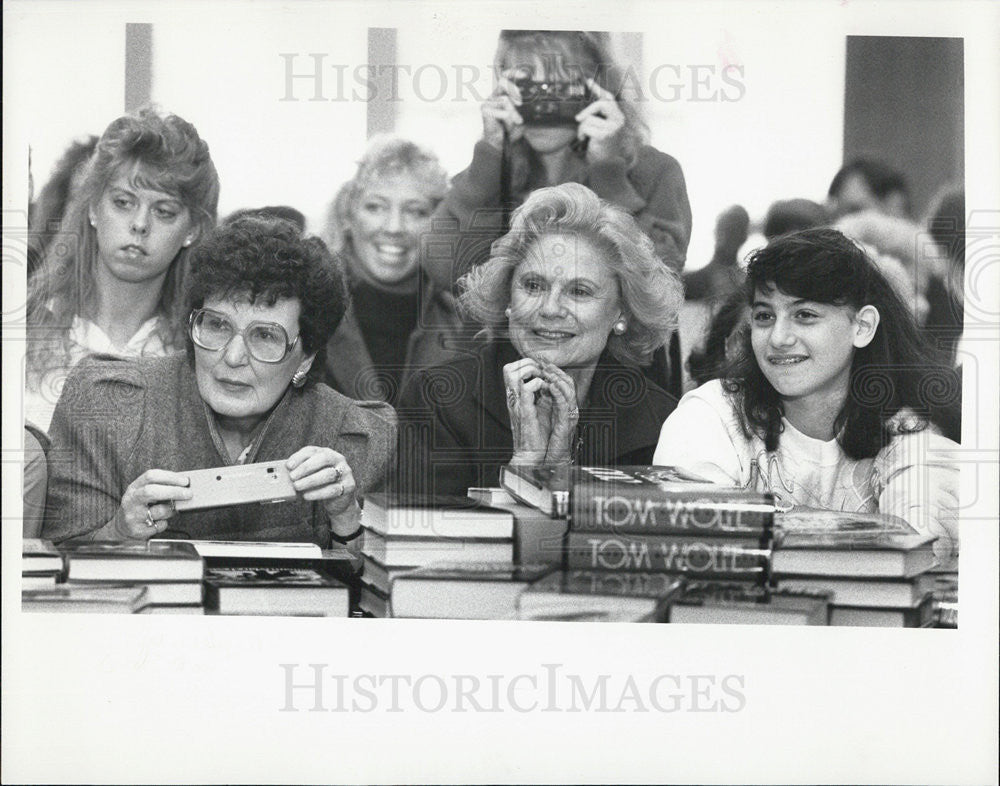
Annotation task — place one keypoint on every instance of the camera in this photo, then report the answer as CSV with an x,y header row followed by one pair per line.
x,y
551,103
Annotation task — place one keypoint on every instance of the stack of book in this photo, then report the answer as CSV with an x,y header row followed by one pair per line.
x,y
656,520
871,563
41,564
943,587
258,578
154,577
402,534
635,531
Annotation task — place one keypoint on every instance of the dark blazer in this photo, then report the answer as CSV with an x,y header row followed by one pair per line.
x,y
116,419
439,331
454,429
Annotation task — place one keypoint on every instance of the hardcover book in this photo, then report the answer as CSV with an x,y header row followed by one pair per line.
x,y
748,604
477,591
920,616
491,495
152,561
248,549
38,555
35,580
435,516
663,500
380,576
850,553
403,550
373,602
599,596
91,600
276,591
738,557
545,489
158,593
815,521
863,593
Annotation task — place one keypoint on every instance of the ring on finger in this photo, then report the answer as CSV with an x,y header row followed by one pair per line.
x,y
337,474
150,521
511,398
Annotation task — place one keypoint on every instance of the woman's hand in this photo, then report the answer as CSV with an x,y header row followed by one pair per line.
x,y
500,112
541,400
602,122
564,413
148,504
323,475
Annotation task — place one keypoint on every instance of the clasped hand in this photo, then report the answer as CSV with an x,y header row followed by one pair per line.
x,y
541,401
318,474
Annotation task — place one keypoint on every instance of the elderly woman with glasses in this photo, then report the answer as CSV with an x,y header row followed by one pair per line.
x,y
263,302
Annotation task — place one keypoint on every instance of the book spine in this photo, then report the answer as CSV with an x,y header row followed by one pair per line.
x,y
678,554
637,510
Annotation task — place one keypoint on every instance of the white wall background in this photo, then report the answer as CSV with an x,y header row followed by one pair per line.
x,y
224,72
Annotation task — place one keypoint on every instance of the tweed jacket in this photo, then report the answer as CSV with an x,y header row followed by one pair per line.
x,y
116,419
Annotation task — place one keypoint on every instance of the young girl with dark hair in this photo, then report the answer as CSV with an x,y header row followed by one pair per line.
x,y
836,403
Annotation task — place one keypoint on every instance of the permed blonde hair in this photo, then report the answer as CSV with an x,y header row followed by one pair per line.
x,y
651,292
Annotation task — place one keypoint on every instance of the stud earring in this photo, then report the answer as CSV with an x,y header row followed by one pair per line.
x,y
506,312
299,378
619,327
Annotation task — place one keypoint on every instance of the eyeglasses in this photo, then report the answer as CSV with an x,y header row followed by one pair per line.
x,y
266,342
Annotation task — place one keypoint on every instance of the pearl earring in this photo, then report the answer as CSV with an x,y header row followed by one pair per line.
x,y
506,312
619,327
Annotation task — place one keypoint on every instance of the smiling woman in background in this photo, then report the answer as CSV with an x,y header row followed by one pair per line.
x,y
263,302
572,299
398,319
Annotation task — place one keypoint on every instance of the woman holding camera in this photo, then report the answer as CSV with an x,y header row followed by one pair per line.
x,y
262,303
572,300
557,116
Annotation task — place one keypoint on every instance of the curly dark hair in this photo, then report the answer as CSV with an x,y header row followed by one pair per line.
x,y
898,370
266,258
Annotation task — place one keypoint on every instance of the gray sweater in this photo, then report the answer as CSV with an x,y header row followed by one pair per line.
x,y
116,419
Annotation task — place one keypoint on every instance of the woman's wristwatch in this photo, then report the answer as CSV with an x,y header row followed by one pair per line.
x,y
353,535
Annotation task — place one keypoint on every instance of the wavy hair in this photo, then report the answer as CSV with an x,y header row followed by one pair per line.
x,y
568,55
170,157
385,156
263,258
898,370
651,292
